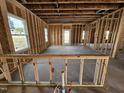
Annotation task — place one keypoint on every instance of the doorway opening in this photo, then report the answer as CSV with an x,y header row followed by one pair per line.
x,y
66,37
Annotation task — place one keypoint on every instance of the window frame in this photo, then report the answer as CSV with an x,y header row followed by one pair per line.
x,y
25,34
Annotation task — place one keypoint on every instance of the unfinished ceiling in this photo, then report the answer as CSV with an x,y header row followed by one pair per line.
x,y
71,11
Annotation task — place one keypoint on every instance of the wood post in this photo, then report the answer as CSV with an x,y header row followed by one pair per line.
x,y
66,63
97,69
21,73
105,65
51,71
63,82
36,71
81,71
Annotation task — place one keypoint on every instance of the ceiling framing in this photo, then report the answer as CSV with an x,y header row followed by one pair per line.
x,y
75,11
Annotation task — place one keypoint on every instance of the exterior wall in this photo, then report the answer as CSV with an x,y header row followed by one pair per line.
x,y
35,27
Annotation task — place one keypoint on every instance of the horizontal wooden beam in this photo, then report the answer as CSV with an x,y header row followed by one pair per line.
x,y
80,2
62,18
44,84
66,13
69,20
57,56
74,6
70,16
55,21
52,9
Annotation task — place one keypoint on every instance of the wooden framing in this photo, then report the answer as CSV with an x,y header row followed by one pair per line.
x,y
109,23
36,71
35,26
21,73
100,72
71,8
81,71
118,36
77,2
5,34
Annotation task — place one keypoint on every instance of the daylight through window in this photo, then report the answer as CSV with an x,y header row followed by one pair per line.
x,y
19,33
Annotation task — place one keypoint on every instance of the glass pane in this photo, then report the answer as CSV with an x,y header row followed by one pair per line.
x,y
20,42
18,31
16,25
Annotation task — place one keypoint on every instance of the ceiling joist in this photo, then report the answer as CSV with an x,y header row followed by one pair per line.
x,y
71,11
78,13
85,17
79,2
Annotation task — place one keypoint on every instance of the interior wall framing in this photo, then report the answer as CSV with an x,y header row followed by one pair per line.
x,y
56,33
111,23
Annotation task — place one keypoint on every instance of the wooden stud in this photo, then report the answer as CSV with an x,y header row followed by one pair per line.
x,y
97,69
36,71
81,71
66,69
120,28
51,71
20,68
105,65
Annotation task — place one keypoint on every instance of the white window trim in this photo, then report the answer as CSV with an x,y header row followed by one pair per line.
x,y
26,32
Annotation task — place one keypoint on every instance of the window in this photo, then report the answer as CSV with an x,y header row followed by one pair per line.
x,y
66,36
46,34
83,35
19,32
107,35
